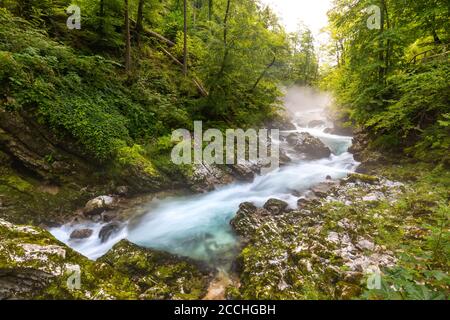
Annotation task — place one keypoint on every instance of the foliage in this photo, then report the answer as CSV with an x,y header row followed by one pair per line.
x,y
394,81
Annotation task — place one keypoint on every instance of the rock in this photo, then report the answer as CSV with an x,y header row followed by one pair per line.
x,y
205,178
333,237
323,189
107,231
284,158
370,198
34,265
81,234
159,275
347,291
98,205
302,202
364,178
365,245
282,123
339,131
311,146
363,153
328,177
122,190
246,172
248,219
308,199
316,123
275,206
109,216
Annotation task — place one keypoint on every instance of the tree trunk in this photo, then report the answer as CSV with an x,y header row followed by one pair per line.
x,y
210,9
140,18
381,69
225,38
127,39
387,57
102,16
270,65
185,53
102,8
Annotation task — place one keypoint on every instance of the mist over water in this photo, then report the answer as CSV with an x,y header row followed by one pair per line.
x,y
198,226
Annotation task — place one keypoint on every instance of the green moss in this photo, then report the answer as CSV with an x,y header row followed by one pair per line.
x,y
291,258
159,275
355,177
32,250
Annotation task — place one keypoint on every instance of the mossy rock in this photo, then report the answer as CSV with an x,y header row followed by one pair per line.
x,y
34,265
358,177
158,274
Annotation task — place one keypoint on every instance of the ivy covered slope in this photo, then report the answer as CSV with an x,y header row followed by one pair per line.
x,y
34,265
69,122
325,247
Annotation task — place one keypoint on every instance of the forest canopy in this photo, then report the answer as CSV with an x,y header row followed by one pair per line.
x,y
118,80
394,81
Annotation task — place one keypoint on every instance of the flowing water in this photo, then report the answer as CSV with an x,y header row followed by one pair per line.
x,y
198,226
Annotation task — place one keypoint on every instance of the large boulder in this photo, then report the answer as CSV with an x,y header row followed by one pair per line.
x,y
275,206
159,275
109,230
81,234
98,205
34,265
248,219
363,153
310,146
205,177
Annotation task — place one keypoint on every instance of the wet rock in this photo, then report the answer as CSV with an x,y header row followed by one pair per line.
x,y
284,158
205,178
109,216
159,275
311,146
339,131
110,229
248,219
282,123
81,234
275,206
316,123
246,172
98,205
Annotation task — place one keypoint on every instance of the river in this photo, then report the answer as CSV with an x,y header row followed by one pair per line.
x,y
198,226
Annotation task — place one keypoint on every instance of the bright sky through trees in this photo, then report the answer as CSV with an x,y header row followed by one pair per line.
x,y
312,12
